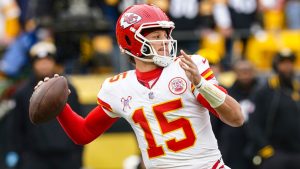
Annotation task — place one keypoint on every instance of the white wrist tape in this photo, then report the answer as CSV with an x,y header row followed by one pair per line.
x,y
214,96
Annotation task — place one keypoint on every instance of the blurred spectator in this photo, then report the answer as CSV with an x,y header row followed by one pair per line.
x,y
35,18
274,126
232,141
45,146
39,9
214,60
111,10
292,13
7,88
235,19
74,24
190,18
16,58
272,14
10,27
77,23
126,3
14,62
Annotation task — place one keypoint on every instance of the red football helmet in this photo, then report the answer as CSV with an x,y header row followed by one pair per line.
x,y
133,21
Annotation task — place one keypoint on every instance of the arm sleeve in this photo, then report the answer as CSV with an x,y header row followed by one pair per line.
x,y
205,104
84,130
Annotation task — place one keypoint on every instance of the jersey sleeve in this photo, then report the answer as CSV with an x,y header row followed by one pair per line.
x,y
206,72
204,69
105,99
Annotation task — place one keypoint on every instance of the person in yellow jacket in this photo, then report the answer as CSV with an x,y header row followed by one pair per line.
x,y
9,21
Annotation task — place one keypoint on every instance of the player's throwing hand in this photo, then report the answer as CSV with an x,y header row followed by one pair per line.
x,y
189,67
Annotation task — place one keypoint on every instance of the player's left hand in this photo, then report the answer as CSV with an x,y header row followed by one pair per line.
x,y
190,68
45,80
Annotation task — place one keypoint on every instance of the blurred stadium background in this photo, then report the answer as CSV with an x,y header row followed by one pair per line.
x,y
83,31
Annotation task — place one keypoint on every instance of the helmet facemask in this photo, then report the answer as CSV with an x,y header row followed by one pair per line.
x,y
166,54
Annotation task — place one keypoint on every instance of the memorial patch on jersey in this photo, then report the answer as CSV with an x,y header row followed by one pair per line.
x,y
177,85
125,102
129,19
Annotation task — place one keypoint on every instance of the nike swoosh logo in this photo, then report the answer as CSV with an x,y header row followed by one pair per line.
x,y
204,60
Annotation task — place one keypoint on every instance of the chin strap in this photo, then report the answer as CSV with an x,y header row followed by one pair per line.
x,y
162,61
141,59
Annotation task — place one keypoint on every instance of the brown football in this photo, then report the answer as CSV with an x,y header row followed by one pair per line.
x,y
48,100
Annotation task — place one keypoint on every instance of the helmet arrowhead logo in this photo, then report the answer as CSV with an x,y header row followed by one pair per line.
x,y
129,19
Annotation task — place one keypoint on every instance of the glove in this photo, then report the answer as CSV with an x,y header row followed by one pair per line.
x,y
12,159
264,153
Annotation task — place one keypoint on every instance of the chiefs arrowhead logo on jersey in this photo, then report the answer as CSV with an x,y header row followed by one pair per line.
x,y
177,85
129,18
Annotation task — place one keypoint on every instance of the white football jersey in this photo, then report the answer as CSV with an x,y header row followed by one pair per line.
x,y
172,128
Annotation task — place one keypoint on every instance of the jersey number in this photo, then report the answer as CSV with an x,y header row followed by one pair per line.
x,y
166,126
118,77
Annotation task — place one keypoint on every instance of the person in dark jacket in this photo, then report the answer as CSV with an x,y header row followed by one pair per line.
x,y
232,141
43,146
274,126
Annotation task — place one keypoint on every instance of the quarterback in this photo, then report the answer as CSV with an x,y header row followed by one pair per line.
x,y
166,99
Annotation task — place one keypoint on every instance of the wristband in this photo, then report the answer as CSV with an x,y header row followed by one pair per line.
x,y
214,96
199,84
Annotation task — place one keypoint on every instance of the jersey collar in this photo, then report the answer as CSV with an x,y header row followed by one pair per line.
x,y
147,76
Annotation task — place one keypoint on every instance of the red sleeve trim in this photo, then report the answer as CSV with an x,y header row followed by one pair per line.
x,y
104,105
208,74
84,130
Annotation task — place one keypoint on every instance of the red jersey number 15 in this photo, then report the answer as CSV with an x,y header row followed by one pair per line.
x,y
166,126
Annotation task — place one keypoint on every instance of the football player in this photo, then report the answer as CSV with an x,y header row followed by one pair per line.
x,y
166,99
